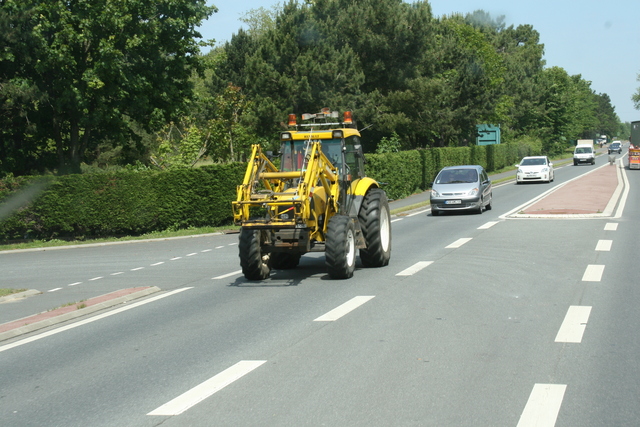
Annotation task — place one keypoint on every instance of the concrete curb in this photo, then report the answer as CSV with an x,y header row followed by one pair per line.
x,y
19,295
29,324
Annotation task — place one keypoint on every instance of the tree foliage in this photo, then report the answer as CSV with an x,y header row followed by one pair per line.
x,y
96,65
116,82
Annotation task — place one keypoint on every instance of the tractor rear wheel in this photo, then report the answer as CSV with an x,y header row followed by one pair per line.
x,y
375,222
253,262
283,260
340,250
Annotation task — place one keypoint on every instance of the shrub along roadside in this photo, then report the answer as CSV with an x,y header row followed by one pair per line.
x,y
136,203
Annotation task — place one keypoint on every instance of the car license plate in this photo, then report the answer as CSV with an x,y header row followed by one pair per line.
x,y
452,202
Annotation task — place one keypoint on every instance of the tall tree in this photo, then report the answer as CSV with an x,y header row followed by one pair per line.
x,y
100,64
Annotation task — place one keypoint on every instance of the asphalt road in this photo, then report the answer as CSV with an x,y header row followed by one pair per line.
x,y
478,320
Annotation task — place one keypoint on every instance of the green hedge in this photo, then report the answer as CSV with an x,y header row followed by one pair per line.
x,y
134,203
126,203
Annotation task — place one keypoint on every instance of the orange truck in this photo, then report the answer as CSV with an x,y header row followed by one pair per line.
x,y
634,147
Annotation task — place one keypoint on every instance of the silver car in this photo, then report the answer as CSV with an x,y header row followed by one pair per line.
x,y
458,188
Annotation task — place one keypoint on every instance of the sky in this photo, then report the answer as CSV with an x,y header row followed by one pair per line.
x,y
598,39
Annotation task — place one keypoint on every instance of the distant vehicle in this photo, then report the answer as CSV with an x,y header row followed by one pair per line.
x,y
535,168
634,146
459,188
615,147
584,154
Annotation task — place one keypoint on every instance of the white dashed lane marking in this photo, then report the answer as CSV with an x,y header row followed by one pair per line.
x,y
414,268
543,406
343,309
487,225
574,324
207,388
593,273
604,245
611,226
224,276
459,243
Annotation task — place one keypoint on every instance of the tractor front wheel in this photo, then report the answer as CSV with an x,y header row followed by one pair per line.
x,y
340,250
375,222
255,264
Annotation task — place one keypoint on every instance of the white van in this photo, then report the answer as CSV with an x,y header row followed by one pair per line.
x,y
584,154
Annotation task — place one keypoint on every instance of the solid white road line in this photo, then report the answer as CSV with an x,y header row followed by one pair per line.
x,y
593,273
224,276
207,388
611,226
604,245
397,219
345,308
543,406
414,268
487,225
458,243
574,324
89,320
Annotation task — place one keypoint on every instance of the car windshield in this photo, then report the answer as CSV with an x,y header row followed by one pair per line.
x,y
533,162
615,144
583,150
457,176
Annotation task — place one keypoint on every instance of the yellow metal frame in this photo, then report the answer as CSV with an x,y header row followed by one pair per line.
x,y
264,186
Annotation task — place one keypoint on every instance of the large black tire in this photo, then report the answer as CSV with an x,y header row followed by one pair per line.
x,y
375,222
284,260
340,250
253,262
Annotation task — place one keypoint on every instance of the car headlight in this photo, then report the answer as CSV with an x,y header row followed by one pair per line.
x,y
473,192
545,170
519,170
435,194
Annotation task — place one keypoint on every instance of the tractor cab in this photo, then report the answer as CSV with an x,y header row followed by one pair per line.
x,y
341,146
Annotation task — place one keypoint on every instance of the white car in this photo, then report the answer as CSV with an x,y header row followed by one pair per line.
x,y
534,168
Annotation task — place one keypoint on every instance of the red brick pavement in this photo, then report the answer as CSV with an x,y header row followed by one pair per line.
x,y
588,194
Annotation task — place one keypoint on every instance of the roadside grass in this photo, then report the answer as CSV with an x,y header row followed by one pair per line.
x,y
155,235
78,304
8,291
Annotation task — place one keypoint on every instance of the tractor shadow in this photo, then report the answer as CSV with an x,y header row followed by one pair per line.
x,y
311,267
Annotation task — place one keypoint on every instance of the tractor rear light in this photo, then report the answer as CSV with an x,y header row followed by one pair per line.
x,y
285,136
292,120
337,134
348,119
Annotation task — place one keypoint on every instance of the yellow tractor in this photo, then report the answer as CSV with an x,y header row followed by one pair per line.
x,y
318,199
